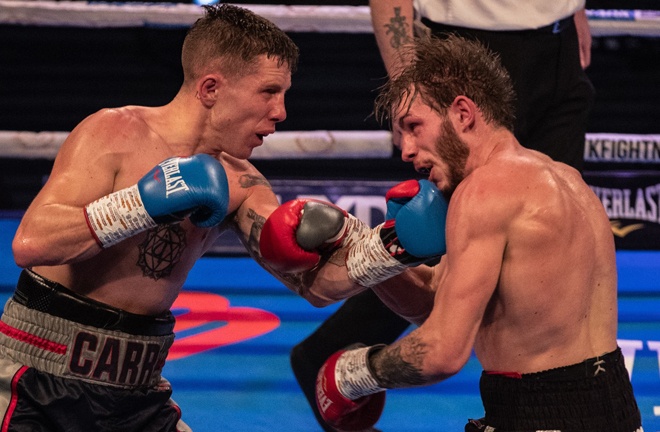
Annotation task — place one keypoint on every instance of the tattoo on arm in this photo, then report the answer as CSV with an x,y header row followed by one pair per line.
x,y
298,282
398,29
255,231
249,180
400,365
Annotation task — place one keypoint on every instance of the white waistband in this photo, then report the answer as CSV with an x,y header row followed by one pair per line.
x,y
71,350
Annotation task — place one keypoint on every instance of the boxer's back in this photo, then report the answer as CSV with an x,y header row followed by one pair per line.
x,y
556,298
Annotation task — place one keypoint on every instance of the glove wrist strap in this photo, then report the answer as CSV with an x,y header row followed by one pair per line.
x,y
354,231
117,216
353,373
369,263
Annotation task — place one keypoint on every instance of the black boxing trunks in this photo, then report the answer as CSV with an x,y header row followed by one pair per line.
x,y
592,396
71,363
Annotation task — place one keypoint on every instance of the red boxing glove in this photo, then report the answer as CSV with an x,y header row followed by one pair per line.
x,y
347,394
298,231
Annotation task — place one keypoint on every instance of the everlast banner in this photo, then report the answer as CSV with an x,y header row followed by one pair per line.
x,y
632,202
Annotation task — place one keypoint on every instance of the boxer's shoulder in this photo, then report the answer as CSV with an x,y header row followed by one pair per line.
x,y
116,120
243,170
248,188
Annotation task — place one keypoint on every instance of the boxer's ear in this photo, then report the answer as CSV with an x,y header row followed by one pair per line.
x,y
208,88
463,113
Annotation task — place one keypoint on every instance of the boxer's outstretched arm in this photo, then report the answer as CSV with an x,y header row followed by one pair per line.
x,y
87,188
321,285
329,281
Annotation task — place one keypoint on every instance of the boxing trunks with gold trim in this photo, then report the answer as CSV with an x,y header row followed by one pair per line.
x,y
71,363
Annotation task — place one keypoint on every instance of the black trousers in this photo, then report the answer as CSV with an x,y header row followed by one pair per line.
x,y
554,94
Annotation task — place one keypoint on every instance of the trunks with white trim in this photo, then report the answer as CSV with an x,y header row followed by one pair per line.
x,y
51,329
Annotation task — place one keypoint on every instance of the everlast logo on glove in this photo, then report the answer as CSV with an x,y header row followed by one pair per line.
x,y
173,183
115,361
323,401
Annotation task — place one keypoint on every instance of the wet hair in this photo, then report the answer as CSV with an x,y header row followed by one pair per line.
x,y
444,68
230,39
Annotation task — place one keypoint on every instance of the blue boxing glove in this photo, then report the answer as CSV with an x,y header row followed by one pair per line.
x,y
413,233
194,187
415,220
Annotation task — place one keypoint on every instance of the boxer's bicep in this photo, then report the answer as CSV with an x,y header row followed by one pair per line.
x,y
53,229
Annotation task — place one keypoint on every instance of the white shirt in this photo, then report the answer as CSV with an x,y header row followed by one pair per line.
x,y
497,14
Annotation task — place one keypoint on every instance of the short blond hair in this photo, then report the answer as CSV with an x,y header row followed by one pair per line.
x,y
229,39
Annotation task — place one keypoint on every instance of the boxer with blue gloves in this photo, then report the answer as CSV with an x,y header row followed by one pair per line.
x,y
524,231
194,187
136,196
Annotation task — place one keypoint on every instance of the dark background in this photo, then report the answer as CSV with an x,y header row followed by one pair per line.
x,y
53,77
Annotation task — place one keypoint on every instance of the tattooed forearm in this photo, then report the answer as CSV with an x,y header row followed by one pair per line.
x,y
297,282
400,365
398,28
255,230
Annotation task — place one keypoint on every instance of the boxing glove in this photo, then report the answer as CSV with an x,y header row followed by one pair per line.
x,y
347,393
299,232
194,187
414,232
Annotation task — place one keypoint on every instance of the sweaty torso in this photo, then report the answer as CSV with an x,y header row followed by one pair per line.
x,y
555,302
144,273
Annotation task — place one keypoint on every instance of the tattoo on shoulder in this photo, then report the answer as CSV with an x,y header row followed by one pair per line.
x,y
161,250
398,29
248,180
401,364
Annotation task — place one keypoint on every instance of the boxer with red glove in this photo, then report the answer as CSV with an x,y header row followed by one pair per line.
x,y
194,187
348,395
